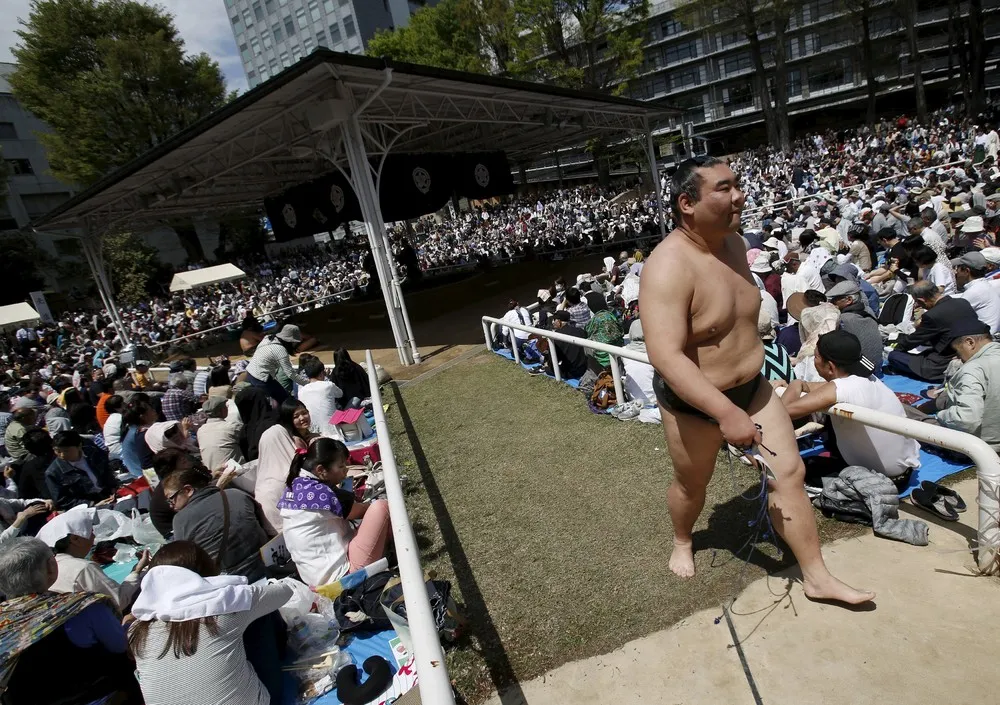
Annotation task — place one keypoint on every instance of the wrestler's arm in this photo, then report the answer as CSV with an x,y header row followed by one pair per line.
x,y
668,290
818,397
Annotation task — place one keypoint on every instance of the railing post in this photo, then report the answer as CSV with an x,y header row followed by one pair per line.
x,y
513,346
616,374
555,361
486,336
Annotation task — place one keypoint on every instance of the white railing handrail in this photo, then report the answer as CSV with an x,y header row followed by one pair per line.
x,y
432,673
986,460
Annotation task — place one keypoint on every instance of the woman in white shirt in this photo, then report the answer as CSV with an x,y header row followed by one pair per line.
x,y
316,516
932,270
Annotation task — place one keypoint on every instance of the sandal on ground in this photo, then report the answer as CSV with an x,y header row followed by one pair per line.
x,y
933,503
953,498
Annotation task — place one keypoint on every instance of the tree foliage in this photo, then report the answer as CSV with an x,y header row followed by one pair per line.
x,y
442,36
131,264
111,79
593,44
19,268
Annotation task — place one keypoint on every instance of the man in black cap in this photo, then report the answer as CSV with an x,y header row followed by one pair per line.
x,y
970,401
858,320
932,332
849,379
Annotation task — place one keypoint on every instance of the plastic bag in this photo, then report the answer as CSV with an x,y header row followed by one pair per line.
x,y
143,531
302,600
112,525
318,674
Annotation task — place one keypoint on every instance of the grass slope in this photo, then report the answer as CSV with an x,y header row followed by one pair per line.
x,y
551,521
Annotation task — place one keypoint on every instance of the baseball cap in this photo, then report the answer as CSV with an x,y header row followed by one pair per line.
x,y
844,350
966,325
844,288
972,260
213,404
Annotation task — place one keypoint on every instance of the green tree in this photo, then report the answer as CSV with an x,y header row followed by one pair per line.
x,y
132,265
111,79
493,22
441,36
19,268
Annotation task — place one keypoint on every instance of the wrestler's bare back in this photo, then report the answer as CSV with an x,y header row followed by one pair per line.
x,y
722,303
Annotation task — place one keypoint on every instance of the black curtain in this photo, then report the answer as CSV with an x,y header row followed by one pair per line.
x,y
482,175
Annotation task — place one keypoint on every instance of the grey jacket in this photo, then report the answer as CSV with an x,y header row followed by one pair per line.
x,y
201,521
869,494
971,401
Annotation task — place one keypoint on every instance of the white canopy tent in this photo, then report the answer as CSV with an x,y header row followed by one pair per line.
x,y
16,314
334,111
184,281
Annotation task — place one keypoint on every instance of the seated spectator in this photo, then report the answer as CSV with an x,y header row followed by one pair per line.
x,y
199,387
861,252
170,434
112,428
848,378
218,438
101,410
790,337
251,335
318,531
761,266
201,515
579,311
79,474
78,635
197,637
320,397
542,317
834,273
165,463
219,382
604,327
857,319
138,416
930,269
16,515
278,445
572,358
815,321
932,333
31,479
596,300
140,376
22,418
71,537
638,379
518,314
970,270
351,378
57,417
777,363
256,415
970,398
178,402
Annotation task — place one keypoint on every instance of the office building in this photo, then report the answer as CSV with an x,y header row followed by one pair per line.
x,y
273,34
31,190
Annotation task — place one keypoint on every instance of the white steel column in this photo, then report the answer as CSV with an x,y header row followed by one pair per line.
x,y
364,188
94,260
655,176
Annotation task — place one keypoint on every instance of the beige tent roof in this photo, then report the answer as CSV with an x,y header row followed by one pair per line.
x,y
17,313
183,281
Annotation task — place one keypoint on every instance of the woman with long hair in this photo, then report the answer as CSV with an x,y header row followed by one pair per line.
x,y
257,416
277,448
188,637
351,378
316,516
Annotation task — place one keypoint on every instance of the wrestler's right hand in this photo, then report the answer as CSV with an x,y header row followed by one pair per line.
x,y
739,429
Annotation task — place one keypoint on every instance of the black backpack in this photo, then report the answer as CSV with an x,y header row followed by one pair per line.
x,y
893,310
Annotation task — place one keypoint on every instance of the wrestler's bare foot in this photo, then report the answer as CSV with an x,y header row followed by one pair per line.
x,y
832,589
682,559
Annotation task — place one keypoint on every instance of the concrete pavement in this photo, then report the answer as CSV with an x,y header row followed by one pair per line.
x,y
930,639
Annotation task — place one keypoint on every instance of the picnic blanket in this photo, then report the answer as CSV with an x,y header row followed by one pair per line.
x,y
504,352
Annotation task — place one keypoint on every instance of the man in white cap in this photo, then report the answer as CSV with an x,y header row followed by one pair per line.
x,y
970,271
71,537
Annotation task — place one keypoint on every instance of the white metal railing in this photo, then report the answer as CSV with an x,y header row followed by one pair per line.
x,y
986,460
432,673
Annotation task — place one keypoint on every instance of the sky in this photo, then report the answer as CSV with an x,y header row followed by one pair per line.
x,y
203,25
